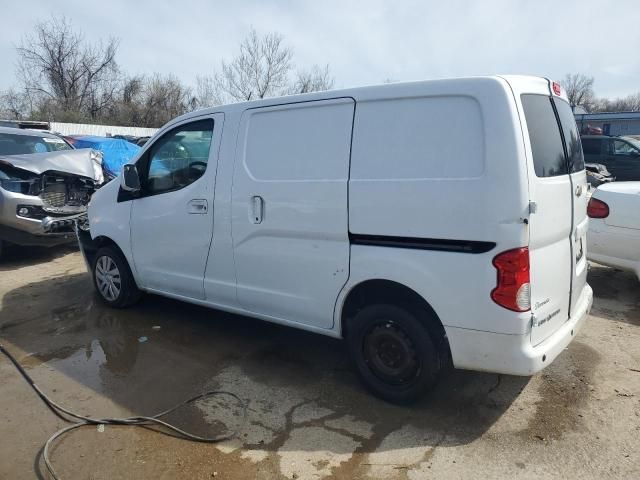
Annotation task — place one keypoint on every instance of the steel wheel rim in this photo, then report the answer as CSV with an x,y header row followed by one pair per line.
x,y
390,354
108,278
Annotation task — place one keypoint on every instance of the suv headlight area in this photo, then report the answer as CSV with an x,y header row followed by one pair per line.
x,y
18,181
17,185
35,212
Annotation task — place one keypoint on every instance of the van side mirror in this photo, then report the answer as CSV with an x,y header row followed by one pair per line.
x,y
129,178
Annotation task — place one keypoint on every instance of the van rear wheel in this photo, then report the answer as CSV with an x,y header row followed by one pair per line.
x,y
394,353
113,279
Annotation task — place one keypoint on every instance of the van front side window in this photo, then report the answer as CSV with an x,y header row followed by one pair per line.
x,y
179,158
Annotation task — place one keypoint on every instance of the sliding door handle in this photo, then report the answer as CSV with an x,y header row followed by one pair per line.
x,y
256,210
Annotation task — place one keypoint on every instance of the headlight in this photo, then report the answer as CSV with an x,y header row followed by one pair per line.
x,y
31,211
15,185
14,180
96,161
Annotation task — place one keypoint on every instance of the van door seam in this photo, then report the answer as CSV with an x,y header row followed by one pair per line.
x,y
571,231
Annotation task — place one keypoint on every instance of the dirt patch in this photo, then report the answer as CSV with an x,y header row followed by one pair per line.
x,y
565,388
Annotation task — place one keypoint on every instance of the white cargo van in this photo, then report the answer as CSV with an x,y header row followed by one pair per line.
x,y
426,223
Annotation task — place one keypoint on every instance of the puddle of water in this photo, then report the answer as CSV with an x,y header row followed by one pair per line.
x,y
85,364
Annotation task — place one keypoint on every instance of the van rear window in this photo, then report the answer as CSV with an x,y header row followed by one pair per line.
x,y
571,135
544,135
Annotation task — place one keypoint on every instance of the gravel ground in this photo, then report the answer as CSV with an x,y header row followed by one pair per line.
x,y
309,418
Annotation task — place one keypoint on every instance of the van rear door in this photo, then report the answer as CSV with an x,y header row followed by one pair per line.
x,y
580,220
557,220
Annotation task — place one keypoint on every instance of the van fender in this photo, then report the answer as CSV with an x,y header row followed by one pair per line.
x,y
456,285
110,221
401,266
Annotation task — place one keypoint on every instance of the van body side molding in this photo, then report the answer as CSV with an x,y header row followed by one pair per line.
x,y
439,244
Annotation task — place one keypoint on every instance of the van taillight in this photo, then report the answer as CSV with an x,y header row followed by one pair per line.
x,y
597,208
513,289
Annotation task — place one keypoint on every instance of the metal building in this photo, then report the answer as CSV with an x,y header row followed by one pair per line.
x,y
614,123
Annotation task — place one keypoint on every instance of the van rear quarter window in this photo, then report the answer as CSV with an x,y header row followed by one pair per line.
x,y
544,135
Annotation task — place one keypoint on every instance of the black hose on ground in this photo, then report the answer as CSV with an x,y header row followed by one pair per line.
x,y
81,421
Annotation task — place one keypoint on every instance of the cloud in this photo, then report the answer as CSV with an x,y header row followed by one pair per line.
x,y
364,42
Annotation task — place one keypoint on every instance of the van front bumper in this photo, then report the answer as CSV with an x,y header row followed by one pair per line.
x,y
514,354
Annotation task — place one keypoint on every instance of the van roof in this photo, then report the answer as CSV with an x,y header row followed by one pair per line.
x,y
368,92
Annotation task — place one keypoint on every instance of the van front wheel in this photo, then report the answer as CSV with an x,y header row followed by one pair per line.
x,y
113,279
394,353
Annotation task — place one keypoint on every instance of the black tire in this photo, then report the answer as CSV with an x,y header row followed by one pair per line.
x,y
394,353
128,292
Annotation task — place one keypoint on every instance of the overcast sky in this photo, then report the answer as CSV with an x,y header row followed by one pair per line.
x,y
364,42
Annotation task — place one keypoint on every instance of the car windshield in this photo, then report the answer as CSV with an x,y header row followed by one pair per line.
x,y
16,144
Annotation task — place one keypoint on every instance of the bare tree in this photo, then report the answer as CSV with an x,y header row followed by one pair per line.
x,y
165,98
15,105
579,89
312,80
127,109
62,77
630,103
260,69
149,101
66,75
207,93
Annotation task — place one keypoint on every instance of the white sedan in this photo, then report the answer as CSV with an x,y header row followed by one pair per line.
x,y
614,226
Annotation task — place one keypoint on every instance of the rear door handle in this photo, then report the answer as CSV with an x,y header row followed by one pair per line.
x,y
198,206
256,209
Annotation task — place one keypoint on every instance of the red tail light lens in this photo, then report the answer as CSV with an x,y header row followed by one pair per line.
x,y
597,208
513,290
556,88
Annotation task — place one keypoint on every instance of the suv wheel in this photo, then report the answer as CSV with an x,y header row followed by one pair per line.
x,y
113,279
394,353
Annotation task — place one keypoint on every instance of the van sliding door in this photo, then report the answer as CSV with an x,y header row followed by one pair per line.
x,y
290,219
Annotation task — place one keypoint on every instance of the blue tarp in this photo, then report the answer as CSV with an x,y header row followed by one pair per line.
x,y
115,151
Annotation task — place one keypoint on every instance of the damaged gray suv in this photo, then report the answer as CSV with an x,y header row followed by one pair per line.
x,y
45,186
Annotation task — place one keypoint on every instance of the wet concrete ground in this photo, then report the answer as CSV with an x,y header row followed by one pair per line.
x,y
308,415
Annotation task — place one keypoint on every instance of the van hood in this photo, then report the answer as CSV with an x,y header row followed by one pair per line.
x,y
84,162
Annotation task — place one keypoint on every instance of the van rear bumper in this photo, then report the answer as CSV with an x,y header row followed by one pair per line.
x,y
514,354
